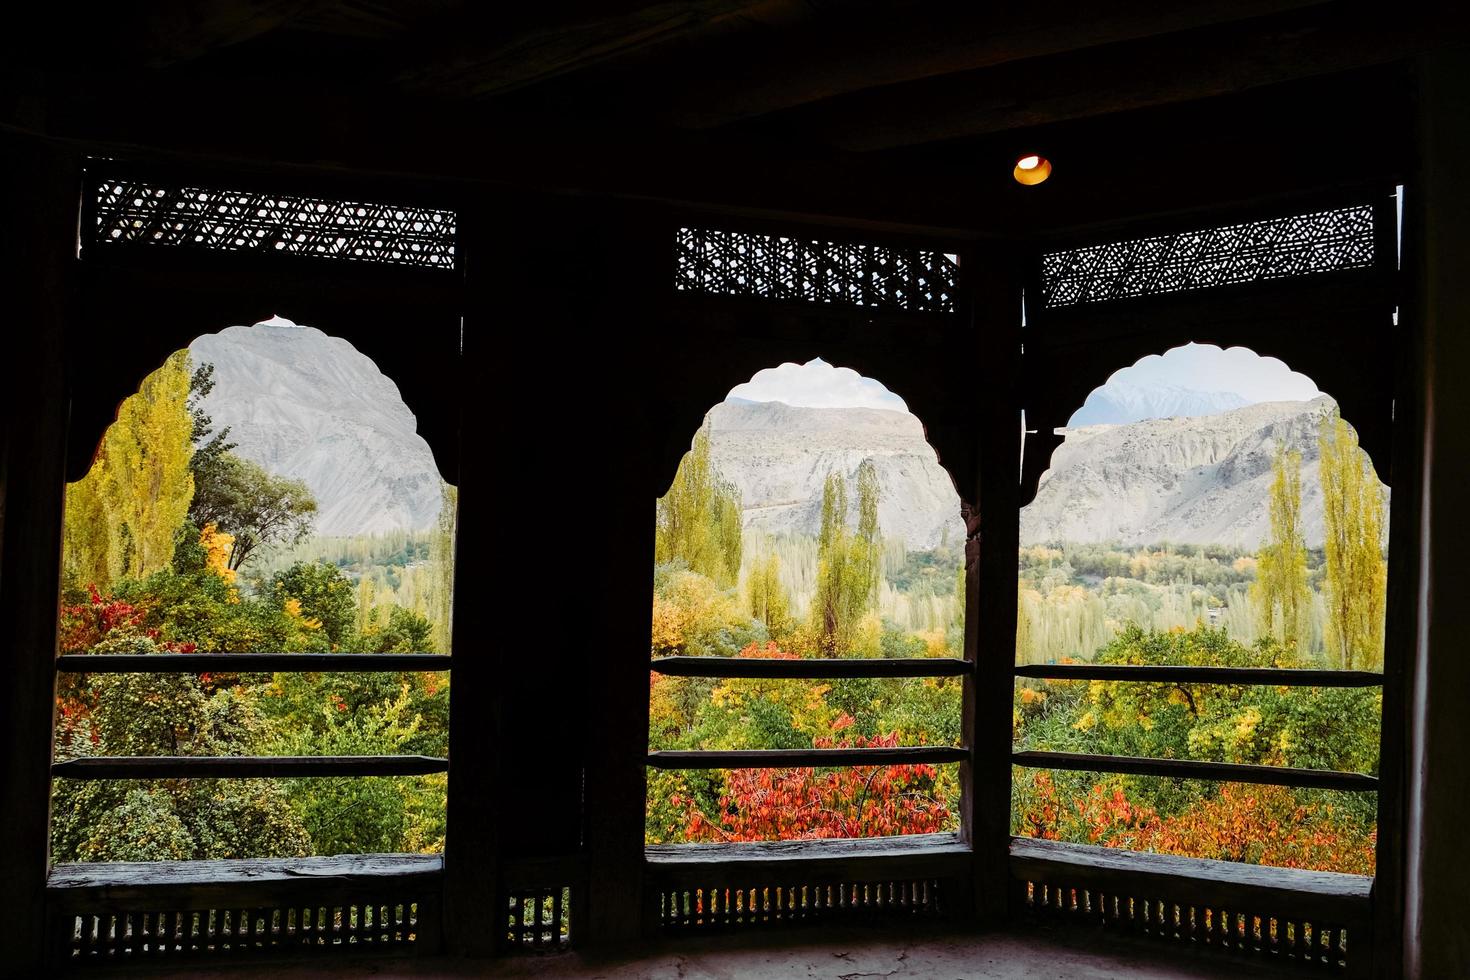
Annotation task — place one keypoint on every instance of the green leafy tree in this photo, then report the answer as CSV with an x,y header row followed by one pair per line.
x,y
168,714
1281,591
323,594
363,816
698,520
848,563
1356,586
406,632
242,499
210,447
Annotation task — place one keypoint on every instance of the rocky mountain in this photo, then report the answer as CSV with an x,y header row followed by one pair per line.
x,y
1186,480
1118,402
306,405
779,456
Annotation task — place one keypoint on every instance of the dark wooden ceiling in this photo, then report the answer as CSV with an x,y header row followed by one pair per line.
x,y
786,104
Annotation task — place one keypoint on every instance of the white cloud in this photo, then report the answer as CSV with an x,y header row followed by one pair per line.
x,y
1205,367
817,384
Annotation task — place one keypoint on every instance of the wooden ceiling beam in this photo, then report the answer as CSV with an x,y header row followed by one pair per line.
x,y
1140,74
895,42
476,57
164,33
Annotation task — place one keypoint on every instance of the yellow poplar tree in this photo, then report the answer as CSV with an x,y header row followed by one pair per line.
x,y
1356,589
766,598
1281,591
698,520
124,516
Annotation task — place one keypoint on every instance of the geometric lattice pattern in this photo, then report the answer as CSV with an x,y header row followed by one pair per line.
x,y
152,212
776,267
1255,251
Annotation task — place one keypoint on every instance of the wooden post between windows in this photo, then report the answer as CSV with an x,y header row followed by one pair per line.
x,y
38,253
990,558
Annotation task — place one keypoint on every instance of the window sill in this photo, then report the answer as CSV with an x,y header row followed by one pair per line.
x,y
1167,876
122,883
843,859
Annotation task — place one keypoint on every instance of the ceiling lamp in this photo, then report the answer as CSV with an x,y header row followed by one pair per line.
x,y
1032,169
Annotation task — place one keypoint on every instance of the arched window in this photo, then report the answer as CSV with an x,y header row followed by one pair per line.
x,y
808,620
1210,517
258,574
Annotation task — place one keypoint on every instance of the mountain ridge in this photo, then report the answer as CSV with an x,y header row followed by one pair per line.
x,y
310,406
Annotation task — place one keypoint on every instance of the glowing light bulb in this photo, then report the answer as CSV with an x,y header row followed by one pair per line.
x,y
1032,169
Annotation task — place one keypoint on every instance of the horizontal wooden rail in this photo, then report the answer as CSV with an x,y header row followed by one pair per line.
x,y
1228,772
147,886
1317,896
209,663
246,766
814,667
790,758
1265,676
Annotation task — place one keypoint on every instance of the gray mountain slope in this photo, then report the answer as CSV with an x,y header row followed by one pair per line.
x,y
779,456
1203,480
307,405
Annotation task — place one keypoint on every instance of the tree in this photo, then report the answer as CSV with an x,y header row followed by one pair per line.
x,y
321,593
406,632
805,803
168,714
1281,590
848,564
123,518
441,566
766,597
1356,587
242,499
210,447
699,519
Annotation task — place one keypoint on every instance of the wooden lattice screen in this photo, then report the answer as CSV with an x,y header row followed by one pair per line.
x,y
155,211
779,267
1254,251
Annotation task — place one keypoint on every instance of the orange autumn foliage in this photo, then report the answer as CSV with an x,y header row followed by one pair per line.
x,y
807,803
1262,825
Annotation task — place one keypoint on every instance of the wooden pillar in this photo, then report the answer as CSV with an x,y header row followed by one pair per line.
x,y
1437,848
38,259
472,916
632,283
990,555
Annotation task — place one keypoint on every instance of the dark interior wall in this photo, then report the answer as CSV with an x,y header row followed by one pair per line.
x,y
583,381
1437,889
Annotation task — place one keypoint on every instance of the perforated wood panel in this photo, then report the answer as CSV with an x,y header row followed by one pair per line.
x,y
1270,933
723,907
1254,251
776,267
108,913
104,937
130,211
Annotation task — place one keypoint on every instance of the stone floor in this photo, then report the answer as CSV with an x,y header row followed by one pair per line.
x,y
1037,954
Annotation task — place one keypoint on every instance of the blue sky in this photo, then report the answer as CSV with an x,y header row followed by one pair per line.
x,y
1201,367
